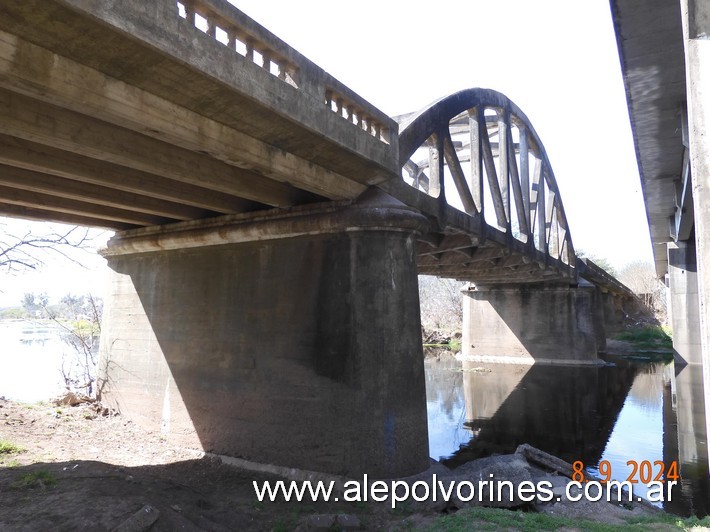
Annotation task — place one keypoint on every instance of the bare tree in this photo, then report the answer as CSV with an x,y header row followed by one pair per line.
x,y
29,250
82,334
24,249
441,302
640,277
79,321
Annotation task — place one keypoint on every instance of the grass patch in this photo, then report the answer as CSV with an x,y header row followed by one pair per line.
x,y
651,336
7,447
497,519
38,479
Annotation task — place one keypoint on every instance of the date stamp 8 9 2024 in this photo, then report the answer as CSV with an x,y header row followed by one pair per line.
x,y
658,478
644,472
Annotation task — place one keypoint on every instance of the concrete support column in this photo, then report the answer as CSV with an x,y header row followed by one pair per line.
x,y
685,308
696,29
291,338
532,324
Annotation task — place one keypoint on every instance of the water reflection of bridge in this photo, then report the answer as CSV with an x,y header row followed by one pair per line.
x,y
568,411
685,440
571,412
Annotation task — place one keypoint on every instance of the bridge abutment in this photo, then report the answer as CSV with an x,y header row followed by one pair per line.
x,y
531,323
290,338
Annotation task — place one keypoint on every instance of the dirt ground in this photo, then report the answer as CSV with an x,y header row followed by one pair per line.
x,y
83,471
79,470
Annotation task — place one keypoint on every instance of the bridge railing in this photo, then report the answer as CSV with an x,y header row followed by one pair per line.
x,y
234,29
481,143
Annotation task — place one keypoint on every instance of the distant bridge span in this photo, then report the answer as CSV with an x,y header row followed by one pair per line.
x,y
271,224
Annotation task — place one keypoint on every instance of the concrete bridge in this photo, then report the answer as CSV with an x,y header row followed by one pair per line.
x,y
665,59
271,225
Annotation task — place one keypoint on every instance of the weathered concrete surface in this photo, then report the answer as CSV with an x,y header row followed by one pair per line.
x,y
614,313
160,122
696,35
532,324
301,351
683,299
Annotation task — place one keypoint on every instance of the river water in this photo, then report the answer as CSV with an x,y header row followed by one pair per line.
x,y
628,411
31,356
625,411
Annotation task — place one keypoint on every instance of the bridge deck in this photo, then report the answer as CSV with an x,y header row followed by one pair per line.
x,y
135,114
138,117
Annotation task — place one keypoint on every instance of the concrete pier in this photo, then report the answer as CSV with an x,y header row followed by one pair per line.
x,y
696,28
685,306
532,323
289,338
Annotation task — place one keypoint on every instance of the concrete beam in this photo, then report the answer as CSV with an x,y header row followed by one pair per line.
x,y
22,154
116,102
43,123
154,49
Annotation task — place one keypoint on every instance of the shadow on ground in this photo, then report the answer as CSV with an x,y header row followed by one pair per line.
x,y
190,495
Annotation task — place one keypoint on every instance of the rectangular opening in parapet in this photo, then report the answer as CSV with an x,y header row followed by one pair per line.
x,y
240,47
221,36
258,58
201,22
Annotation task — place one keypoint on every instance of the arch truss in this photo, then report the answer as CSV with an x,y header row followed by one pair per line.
x,y
477,152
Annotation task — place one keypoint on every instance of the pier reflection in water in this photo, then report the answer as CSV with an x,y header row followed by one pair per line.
x,y
626,411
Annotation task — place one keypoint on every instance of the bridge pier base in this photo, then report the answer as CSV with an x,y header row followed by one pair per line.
x,y
529,324
291,338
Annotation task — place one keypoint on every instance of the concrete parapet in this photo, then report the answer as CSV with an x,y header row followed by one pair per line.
x,y
302,349
528,324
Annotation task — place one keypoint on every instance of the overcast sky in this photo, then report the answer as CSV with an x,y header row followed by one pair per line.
x,y
557,60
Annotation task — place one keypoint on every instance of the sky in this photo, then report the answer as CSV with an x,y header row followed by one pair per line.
x,y
556,59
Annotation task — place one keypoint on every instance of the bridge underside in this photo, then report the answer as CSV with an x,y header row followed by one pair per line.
x,y
129,116
264,298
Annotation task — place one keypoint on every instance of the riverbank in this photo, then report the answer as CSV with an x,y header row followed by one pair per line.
x,y
71,468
